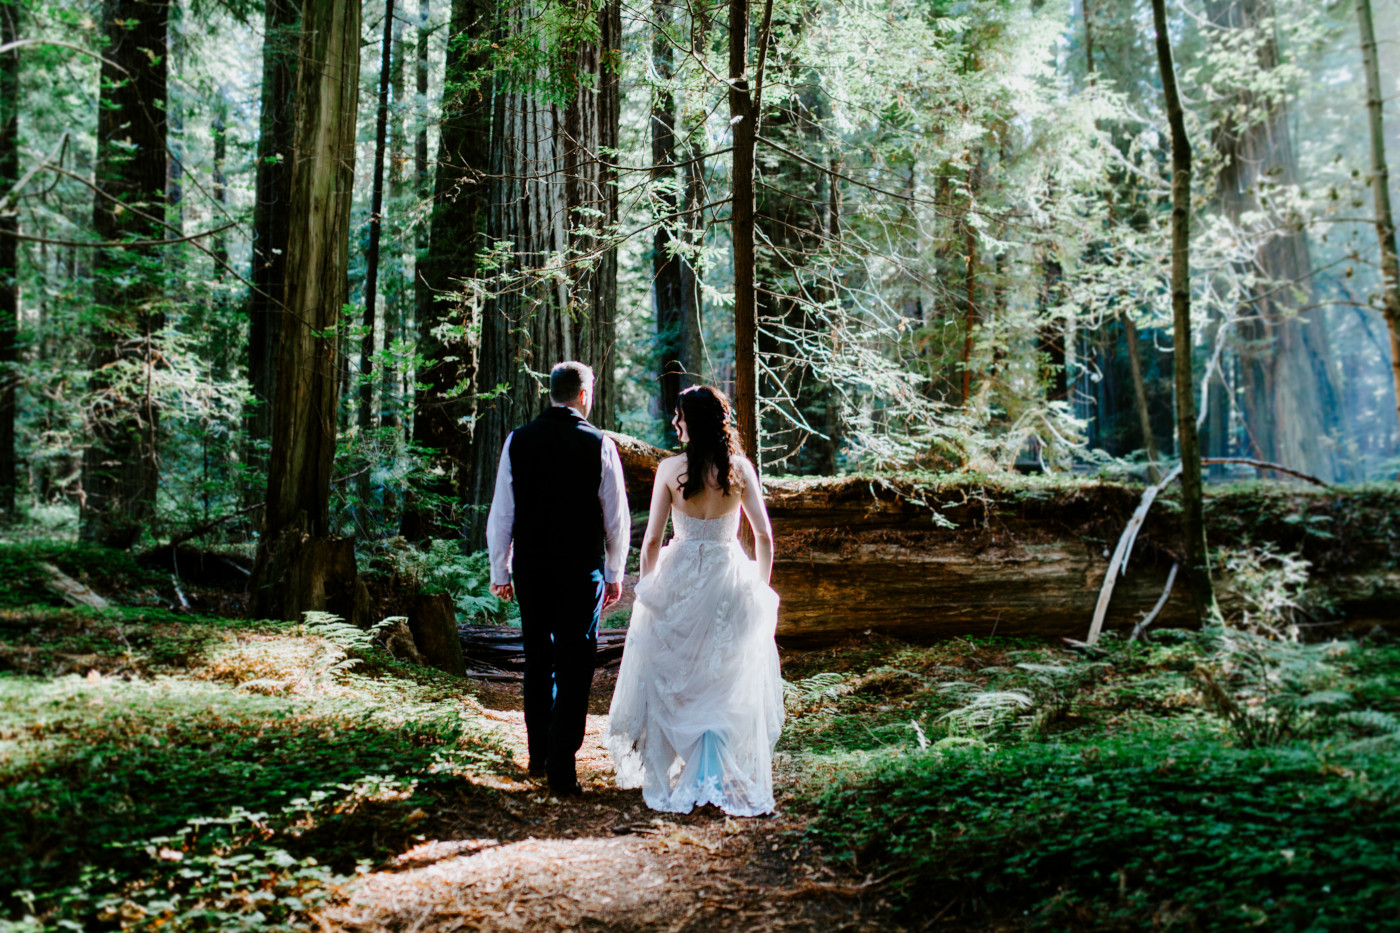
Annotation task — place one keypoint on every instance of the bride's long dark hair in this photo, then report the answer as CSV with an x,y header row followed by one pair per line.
x,y
714,441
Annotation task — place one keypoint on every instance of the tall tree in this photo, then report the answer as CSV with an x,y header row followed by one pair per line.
x,y
1380,188
9,252
666,260
376,227
120,466
1290,393
742,115
395,293
271,216
444,402
299,567
591,133
552,194
1192,492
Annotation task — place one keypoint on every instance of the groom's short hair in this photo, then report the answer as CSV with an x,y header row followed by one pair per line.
x,y
567,380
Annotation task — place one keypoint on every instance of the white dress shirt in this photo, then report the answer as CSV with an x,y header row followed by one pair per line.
x,y
612,494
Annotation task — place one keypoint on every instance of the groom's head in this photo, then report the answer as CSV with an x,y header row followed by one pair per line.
x,y
571,383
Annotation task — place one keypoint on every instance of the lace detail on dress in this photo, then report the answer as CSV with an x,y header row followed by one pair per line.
x,y
689,528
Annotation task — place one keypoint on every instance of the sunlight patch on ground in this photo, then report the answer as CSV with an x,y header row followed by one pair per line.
x,y
582,882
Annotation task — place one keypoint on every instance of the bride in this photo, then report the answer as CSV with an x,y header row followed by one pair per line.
x,y
699,700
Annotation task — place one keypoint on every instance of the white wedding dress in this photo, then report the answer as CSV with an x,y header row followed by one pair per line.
x,y
699,698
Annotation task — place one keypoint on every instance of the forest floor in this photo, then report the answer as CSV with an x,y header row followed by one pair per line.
x,y
605,861
163,770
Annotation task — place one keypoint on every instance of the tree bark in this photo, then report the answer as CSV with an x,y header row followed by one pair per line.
x,y
591,126
9,254
1380,189
741,117
295,551
394,293
120,467
1290,395
1192,491
271,221
668,298
423,181
444,405
376,232
547,173
1149,439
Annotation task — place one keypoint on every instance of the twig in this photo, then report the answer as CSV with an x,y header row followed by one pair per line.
x,y
1264,465
208,526
1141,628
19,185
20,43
117,244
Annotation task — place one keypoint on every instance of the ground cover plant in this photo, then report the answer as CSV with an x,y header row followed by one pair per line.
x,y
209,774
1042,788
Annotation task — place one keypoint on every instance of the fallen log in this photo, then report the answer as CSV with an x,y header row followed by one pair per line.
x,y
501,648
1028,557
71,591
929,557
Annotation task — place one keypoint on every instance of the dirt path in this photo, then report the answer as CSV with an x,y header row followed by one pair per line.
x,y
509,857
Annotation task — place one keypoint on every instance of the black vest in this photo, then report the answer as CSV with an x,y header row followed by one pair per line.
x,y
556,466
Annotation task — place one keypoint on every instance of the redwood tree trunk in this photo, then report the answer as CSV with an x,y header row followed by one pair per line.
x,y
120,468
376,232
423,181
1290,395
1380,188
299,567
668,298
394,292
271,218
591,123
548,176
1192,507
9,253
741,116
444,404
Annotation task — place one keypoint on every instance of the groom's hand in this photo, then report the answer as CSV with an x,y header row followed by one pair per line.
x,y
503,591
612,592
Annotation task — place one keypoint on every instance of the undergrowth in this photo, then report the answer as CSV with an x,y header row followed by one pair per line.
x,y
201,774
1214,780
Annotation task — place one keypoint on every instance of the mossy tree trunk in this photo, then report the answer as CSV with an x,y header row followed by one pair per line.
x,y
271,219
299,566
1192,491
551,194
120,467
1380,187
741,124
668,299
9,253
448,312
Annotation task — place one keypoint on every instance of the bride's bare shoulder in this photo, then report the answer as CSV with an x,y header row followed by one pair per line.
x,y
671,465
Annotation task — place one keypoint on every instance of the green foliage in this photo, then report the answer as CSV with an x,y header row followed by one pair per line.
x,y
443,567
103,569
1128,833
1028,787
205,797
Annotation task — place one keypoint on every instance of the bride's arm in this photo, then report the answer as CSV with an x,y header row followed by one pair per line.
x,y
757,514
656,519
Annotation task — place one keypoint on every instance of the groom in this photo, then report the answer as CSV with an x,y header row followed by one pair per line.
x,y
561,505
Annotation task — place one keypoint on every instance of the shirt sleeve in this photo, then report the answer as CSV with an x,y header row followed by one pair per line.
x,y
500,523
617,521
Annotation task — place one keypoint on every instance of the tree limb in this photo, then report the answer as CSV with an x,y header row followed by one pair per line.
x,y
1263,465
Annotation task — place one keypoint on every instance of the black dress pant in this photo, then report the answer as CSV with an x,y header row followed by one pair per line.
x,y
559,612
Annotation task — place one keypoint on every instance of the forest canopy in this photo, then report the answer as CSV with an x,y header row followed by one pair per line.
x,y
905,234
